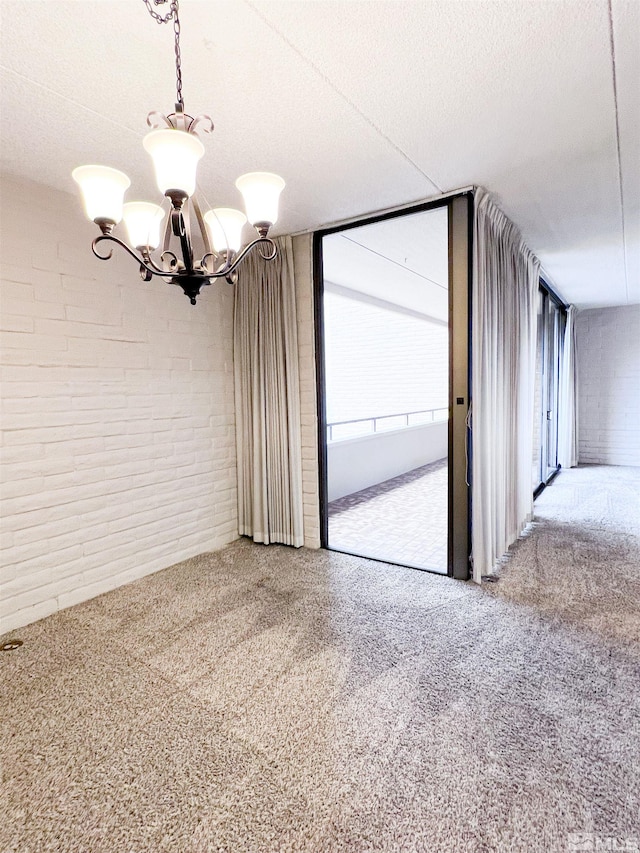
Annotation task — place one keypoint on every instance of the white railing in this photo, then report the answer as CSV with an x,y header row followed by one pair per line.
x,y
382,423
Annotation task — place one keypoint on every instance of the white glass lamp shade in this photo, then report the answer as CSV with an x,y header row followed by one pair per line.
x,y
175,155
224,225
261,191
143,221
102,190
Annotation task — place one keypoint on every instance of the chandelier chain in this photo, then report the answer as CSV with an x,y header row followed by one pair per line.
x,y
172,15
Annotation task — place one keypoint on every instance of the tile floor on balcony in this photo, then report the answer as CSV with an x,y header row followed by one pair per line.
x,y
403,520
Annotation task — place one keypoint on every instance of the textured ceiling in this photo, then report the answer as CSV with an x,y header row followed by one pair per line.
x,y
360,106
404,260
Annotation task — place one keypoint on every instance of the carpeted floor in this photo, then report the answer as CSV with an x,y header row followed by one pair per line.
x,y
267,699
581,563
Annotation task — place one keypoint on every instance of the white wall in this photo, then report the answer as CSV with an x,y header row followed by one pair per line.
x,y
380,361
608,347
357,463
117,414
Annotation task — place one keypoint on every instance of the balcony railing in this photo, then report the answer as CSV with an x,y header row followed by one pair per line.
x,y
341,430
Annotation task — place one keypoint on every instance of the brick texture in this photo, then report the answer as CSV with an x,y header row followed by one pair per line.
x,y
608,347
118,453
381,362
303,270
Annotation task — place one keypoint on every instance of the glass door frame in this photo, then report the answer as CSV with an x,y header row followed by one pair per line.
x,y
460,236
554,318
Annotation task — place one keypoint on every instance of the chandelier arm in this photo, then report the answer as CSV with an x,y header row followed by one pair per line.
x,y
166,240
173,263
102,237
242,255
271,255
221,271
153,265
203,229
204,120
155,119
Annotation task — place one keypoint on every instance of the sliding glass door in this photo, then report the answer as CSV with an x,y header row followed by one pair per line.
x,y
551,323
386,347
392,309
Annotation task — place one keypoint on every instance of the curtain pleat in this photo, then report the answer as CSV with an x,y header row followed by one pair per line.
x,y
567,407
505,284
268,441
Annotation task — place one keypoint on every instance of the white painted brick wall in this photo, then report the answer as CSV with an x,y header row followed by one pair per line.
x,y
608,347
381,362
118,453
303,270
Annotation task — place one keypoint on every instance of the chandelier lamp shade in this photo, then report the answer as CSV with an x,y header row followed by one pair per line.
x,y
161,238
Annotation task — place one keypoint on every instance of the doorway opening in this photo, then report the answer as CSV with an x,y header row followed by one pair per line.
x,y
389,430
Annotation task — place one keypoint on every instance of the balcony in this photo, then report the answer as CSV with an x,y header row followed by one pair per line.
x,y
402,520
388,486
341,430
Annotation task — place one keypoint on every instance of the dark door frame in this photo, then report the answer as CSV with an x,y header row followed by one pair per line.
x,y
460,206
549,295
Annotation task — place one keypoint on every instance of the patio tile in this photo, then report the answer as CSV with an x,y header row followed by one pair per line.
x,y
402,520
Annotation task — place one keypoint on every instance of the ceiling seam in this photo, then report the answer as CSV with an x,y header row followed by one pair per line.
x,y
344,97
391,261
396,208
77,105
612,49
370,299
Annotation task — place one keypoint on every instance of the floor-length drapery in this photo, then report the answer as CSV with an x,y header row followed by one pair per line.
x,y
268,400
505,286
568,396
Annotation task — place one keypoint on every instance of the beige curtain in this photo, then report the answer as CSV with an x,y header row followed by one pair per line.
x,y
268,400
505,285
568,409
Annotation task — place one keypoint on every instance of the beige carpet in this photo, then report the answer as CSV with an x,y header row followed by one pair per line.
x,y
266,699
581,563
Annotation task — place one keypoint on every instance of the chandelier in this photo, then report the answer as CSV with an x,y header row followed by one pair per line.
x,y
175,150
